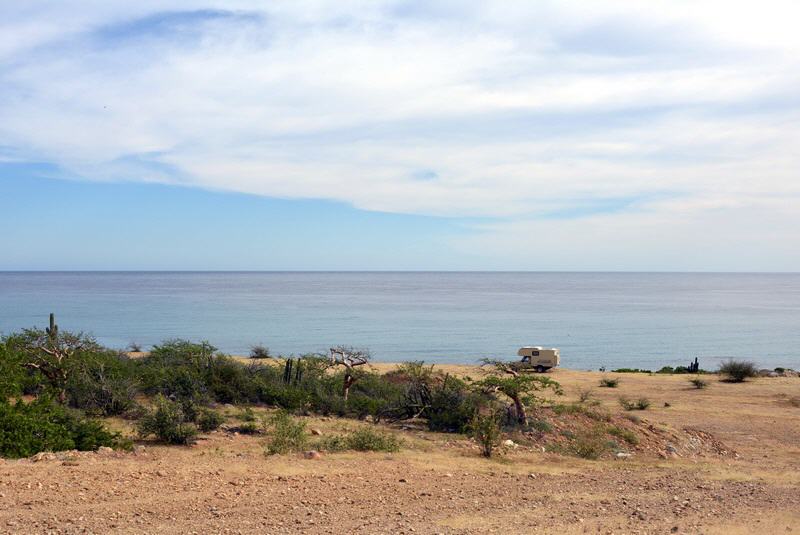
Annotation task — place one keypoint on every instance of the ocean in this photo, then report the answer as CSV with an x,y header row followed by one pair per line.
x,y
643,320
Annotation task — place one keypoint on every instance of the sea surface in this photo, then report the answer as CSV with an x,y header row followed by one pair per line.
x,y
644,320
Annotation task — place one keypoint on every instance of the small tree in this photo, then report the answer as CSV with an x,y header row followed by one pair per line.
x,y
50,353
519,388
349,358
485,429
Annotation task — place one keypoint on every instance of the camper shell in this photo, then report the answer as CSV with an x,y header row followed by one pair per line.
x,y
537,358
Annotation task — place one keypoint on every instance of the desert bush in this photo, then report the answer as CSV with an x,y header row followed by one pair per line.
x,y
248,428
625,434
608,382
542,426
638,405
167,422
209,420
452,406
631,370
287,434
43,425
102,383
246,415
485,429
363,439
134,347
259,352
585,394
736,371
590,443
698,383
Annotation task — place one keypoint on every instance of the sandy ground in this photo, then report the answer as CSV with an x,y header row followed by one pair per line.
x,y
438,483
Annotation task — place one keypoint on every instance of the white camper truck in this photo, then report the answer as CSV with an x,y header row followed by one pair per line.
x,y
539,359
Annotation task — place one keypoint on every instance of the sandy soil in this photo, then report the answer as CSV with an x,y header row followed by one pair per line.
x,y
438,483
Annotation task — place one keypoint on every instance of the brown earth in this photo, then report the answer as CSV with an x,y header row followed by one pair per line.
x,y
735,470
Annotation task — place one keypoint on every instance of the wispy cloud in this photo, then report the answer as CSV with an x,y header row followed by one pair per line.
x,y
465,109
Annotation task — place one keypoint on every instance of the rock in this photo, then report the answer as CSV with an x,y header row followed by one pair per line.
x,y
70,463
623,455
402,480
104,450
773,374
161,473
43,456
508,443
671,449
312,454
764,373
316,432
532,476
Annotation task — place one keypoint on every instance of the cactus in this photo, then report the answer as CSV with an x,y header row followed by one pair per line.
x,y
287,371
52,331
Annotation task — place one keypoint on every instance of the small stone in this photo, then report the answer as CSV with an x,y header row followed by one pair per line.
x,y
403,480
316,432
161,473
312,454
104,450
531,476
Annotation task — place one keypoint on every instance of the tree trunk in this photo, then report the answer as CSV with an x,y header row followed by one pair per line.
x,y
522,417
348,382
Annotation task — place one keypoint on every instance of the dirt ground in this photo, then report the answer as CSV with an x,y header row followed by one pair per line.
x,y
438,483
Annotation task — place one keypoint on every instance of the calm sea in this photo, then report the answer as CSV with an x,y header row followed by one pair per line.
x,y
597,319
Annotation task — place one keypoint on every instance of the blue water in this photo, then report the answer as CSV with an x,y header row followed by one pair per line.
x,y
597,319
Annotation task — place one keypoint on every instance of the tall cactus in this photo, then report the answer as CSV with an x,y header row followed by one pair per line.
x,y
52,331
287,371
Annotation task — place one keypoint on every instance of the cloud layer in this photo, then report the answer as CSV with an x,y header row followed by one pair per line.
x,y
610,120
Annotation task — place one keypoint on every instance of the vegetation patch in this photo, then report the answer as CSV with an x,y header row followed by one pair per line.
x,y
287,434
609,382
737,371
27,429
637,405
363,439
698,383
168,422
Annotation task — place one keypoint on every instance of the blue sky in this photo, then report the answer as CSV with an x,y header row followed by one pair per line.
x,y
552,135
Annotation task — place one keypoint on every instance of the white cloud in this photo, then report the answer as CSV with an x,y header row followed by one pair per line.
x,y
504,106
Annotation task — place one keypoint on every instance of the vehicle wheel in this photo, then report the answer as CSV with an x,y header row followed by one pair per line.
x,y
539,369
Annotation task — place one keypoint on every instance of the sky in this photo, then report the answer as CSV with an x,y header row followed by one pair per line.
x,y
416,135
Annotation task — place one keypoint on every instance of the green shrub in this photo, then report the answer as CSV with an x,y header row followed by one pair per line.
x,y
26,429
209,420
638,405
541,426
698,383
287,434
248,428
625,434
631,370
736,371
102,383
363,439
485,429
590,443
608,382
247,415
167,422
259,352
